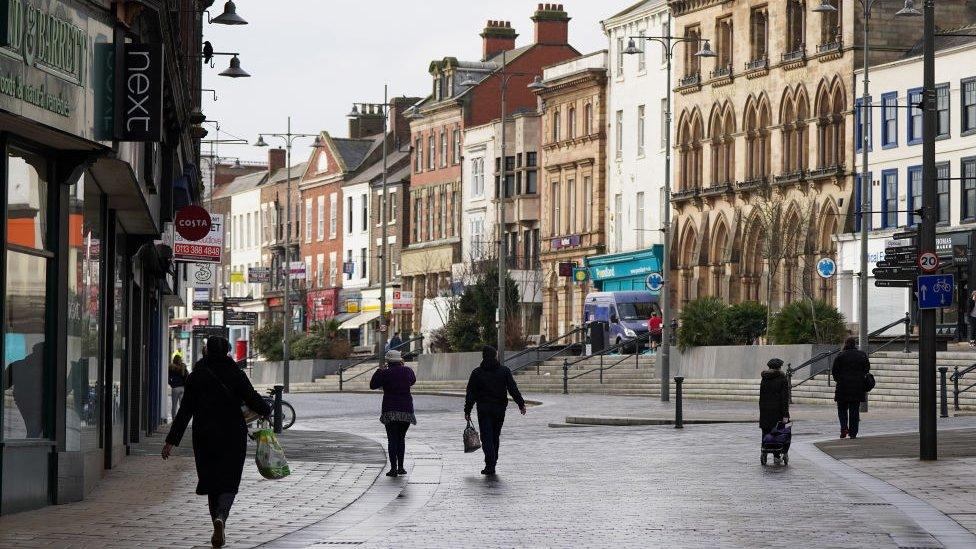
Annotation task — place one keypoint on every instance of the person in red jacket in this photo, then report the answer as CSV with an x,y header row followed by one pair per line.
x,y
654,325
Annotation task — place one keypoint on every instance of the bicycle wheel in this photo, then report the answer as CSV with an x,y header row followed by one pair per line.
x,y
287,415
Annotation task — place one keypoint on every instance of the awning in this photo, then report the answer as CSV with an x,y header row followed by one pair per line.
x,y
342,317
359,320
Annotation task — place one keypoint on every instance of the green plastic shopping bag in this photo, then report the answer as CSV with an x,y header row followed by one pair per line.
x,y
270,457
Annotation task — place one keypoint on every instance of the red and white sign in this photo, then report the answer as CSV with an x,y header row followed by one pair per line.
x,y
204,250
928,262
402,300
193,223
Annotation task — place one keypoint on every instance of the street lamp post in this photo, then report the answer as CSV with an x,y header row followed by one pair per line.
x,y
668,43
505,77
288,138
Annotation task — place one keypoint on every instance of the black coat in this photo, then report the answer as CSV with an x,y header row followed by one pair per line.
x,y
774,399
215,390
849,370
488,386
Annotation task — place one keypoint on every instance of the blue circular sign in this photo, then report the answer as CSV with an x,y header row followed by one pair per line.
x,y
654,282
826,267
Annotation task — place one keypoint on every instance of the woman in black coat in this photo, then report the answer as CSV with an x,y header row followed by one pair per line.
x,y
849,369
774,396
214,393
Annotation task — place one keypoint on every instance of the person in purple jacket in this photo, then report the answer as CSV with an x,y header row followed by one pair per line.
x,y
397,414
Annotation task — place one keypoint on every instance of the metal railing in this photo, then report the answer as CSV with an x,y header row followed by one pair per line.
x,y
790,371
955,377
376,358
547,346
637,343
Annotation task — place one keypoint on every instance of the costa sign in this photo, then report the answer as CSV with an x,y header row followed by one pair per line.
x,y
193,223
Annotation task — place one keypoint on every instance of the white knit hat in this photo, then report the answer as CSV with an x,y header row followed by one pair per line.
x,y
394,356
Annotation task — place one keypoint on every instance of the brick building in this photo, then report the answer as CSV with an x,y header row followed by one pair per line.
x,y
573,188
275,226
769,125
437,127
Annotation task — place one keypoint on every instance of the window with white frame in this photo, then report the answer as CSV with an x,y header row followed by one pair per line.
x,y
391,207
319,270
640,130
618,222
308,220
641,57
349,212
321,216
620,56
431,151
364,211
418,163
457,146
639,221
443,148
333,268
587,203
664,123
556,209
619,145
477,176
362,263
333,214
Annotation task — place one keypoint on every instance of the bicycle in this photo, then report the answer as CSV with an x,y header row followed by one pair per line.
x,y
288,414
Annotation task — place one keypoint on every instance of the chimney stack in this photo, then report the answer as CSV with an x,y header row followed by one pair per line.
x,y
276,160
497,37
367,121
551,25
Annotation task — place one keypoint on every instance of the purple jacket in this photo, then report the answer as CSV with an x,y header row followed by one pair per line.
x,y
395,381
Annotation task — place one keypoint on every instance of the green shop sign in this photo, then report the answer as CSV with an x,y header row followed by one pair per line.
x,y
44,38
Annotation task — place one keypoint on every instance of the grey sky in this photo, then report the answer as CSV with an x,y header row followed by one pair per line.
x,y
312,59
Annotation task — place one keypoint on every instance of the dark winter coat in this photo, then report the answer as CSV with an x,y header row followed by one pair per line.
x,y
215,390
395,380
488,386
849,370
774,398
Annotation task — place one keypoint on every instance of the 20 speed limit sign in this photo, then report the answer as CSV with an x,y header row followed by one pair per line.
x,y
928,262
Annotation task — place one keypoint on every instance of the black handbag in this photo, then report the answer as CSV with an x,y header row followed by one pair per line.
x,y
869,382
472,440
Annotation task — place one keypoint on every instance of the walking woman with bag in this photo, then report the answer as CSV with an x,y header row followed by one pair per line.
x,y
177,381
397,413
850,369
213,396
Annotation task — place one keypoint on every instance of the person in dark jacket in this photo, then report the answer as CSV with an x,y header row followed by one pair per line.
x,y
397,413
395,343
489,387
774,397
214,392
849,369
177,381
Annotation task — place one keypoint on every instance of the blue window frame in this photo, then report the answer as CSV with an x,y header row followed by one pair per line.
x,y
857,203
942,106
859,138
914,193
942,185
914,116
889,117
967,170
889,199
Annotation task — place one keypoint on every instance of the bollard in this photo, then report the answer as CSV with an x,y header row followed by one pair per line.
x,y
789,380
341,369
679,420
908,331
601,376
565,376
277,408
944,404
955,389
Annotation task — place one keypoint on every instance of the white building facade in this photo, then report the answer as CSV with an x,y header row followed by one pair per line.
x,y
895,165
245,252
356,235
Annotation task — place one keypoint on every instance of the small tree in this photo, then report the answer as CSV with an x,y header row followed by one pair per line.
x,y
807,321
471,323
703,323
746,322
267,340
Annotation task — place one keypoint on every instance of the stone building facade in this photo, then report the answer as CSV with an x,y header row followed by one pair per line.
x,y
572,183
763,144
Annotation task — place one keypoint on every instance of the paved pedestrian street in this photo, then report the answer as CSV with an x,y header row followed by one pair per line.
x,y
655,486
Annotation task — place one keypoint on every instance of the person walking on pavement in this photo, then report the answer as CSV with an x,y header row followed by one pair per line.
x,y
489,387
397,413
177,381
849,370
215,390
395,342
774,398
654,325
971,319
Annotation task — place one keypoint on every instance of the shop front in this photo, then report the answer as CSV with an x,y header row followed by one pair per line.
x,y
624,271
81,275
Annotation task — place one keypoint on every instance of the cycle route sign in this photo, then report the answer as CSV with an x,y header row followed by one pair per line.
x,y
935,291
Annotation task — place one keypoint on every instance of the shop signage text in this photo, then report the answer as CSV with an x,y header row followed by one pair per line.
x,y
207,249
140,113
45,39
193,222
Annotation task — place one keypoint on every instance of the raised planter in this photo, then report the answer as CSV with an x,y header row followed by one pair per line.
x,y
299,371
742,361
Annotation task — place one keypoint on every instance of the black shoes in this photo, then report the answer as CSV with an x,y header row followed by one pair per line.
x,y
392,473
401,471
488,471
217,540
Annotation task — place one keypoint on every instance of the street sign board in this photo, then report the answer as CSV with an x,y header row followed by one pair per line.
x,y
928,262
901,249
895,272
258,275
402,300
207,249
296,270
654,282
935,291
203,305
899,263
905,235
235,301
826,267
192,223
208,330
240,318
882,283
201,275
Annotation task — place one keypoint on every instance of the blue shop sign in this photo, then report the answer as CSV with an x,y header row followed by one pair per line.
x,y
629,269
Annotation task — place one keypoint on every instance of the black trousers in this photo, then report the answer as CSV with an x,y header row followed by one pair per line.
x,y
490,421
972,327
396,438
220,505
849,414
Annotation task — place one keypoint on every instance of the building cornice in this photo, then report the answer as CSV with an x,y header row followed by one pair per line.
x,y
684,7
